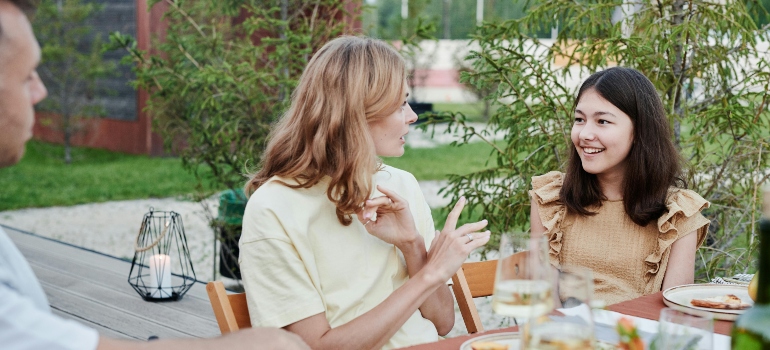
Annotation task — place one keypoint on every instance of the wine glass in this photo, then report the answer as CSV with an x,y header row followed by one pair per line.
x,y
680,331
522,283
571,326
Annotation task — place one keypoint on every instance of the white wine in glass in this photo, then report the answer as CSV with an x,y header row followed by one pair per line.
x,y
522,298
572,327
522,286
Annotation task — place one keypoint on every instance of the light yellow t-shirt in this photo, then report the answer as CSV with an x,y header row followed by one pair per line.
x,y
297,260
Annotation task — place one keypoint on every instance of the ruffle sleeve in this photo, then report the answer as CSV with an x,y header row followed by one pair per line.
x,y
545,192
683,216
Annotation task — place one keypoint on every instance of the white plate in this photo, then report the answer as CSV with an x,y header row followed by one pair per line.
x,y
679,298
509,338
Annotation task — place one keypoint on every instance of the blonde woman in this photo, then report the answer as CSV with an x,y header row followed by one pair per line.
x,y
337,247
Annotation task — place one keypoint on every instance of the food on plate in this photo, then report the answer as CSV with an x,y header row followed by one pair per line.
x,y
727,301
629,336
488,345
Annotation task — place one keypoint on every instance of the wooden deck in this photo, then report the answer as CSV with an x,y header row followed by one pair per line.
x,y
92,289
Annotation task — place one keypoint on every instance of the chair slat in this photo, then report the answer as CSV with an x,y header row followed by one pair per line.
x,y
240,309
480,277
231,310
465,302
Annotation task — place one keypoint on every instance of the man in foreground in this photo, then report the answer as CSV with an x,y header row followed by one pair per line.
x,y
26,321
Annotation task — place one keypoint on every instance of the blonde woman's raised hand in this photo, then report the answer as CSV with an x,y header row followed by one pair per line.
x,y
452,245
388,218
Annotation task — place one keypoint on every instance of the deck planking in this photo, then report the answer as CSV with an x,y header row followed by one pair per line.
x,y
92,288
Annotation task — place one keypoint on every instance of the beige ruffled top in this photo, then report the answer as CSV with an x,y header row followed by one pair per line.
x,y
627,260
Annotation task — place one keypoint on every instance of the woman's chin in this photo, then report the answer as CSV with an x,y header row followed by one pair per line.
x,y
391,153
592,171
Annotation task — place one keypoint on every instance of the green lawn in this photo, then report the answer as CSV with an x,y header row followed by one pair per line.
x,y
472,110
42,179
437,163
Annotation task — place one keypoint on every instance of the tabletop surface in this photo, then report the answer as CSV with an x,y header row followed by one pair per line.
x,y
648,307
92,288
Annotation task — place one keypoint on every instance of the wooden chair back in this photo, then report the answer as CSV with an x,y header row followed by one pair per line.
x,y
477,279
231,310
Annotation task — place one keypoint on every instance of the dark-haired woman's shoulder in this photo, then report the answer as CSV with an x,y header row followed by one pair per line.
x,y
684,213
546,187
688,200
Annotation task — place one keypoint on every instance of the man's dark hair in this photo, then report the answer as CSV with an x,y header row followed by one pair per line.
x,y
26,6
653,163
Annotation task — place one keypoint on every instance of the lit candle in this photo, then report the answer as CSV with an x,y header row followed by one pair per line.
x,y
160,276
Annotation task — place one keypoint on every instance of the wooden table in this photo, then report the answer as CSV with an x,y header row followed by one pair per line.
x,y
649,307
644,307
92,288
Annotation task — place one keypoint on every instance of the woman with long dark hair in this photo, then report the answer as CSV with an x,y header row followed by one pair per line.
x,y
337,247
621,209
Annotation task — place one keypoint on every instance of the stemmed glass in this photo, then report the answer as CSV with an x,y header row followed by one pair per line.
x,y
571,326
681,331
522,283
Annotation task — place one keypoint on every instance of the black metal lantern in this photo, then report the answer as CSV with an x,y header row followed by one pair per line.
x,y
162,269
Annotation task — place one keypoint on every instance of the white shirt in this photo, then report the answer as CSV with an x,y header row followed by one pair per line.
x,y
26,321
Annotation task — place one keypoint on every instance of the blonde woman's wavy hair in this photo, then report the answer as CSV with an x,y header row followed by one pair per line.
x,y
349,82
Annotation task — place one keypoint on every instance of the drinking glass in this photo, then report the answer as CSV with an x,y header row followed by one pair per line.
x,y
680,331
522,283
571,326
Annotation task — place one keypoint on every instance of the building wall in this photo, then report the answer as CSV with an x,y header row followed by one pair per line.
x,y
115,94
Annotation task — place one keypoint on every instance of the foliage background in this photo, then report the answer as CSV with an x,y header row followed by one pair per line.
x,y
456,19
708,60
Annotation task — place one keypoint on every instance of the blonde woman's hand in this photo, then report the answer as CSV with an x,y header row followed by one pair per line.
x,y
388,218
452,245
